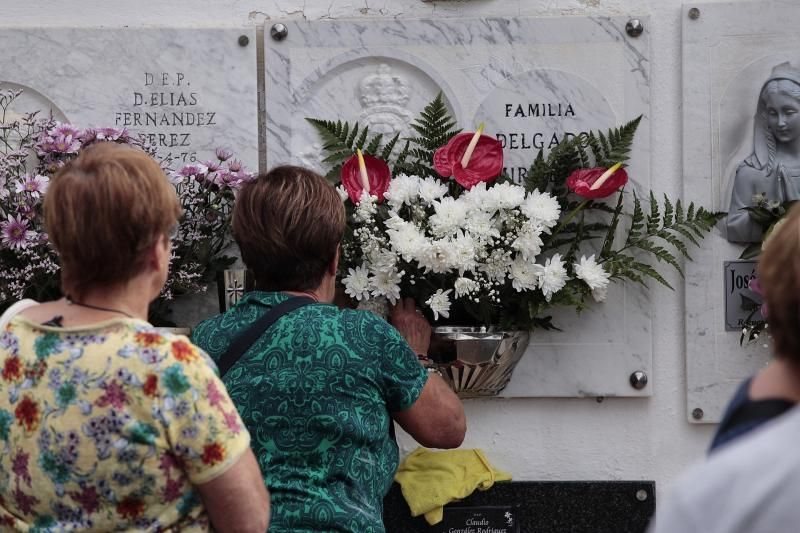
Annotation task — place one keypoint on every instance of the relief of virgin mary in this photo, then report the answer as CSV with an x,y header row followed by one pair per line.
x,y
773,169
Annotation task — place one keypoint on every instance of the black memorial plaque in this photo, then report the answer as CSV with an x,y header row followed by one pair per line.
x,y
541,507
479,519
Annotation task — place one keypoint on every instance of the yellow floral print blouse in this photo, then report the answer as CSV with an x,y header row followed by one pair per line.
x,y
108,427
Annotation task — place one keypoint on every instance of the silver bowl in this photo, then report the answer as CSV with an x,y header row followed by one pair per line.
x,y
477,361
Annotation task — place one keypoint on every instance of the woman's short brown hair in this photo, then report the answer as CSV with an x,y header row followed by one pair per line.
x,y
779,276
103,210
288,224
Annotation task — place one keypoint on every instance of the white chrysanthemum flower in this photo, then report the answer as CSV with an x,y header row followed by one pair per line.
x,y
524,274
402,190
342,193
594,275
366,208
356,283
463,250
475,196
497,265
503,196
541,207
395,221
552,276
439,303
431,189
436,257
379,306
465,287
381,259
387,283
481,225
529,241
408,242
450,216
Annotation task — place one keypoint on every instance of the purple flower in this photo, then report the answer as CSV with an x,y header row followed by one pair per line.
x,y
62,139
33,185
89,135
64,130
223,154
113,134
235,165
193,170
755,286
26,210
16,233
213,166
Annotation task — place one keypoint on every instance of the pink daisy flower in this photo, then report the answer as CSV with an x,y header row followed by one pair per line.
x,y
15,233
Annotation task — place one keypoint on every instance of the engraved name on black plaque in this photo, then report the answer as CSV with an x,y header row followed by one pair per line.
x,y
485,519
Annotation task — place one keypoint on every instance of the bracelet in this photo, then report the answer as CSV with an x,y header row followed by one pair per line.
x,y
433,369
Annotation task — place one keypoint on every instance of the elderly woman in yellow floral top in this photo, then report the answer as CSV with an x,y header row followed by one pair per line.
x,y
105,423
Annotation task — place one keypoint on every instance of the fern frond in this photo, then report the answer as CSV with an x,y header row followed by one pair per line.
x,y
386,153
374,144
608,242
668,211
637,221
654,218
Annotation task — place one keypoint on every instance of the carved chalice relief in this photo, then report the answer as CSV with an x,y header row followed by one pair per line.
x,y
384,96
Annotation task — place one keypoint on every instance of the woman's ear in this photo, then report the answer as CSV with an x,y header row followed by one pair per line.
x,y
159,253
335,263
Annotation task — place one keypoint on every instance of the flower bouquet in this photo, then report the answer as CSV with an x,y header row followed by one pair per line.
x,y
432,217
769,215
33,148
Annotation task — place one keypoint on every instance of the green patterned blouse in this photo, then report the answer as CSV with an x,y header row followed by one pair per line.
x,y
315,394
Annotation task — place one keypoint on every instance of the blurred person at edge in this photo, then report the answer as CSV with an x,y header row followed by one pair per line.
x,y
750,484
105,423
320,388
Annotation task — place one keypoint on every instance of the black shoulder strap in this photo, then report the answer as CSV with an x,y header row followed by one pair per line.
x,y
242,342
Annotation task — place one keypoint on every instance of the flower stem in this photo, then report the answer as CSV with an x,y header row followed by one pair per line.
x,y
569,218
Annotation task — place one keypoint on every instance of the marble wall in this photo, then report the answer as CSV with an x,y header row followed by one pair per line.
x,y
729,52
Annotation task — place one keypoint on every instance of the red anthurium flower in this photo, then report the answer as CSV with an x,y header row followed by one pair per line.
x,y
379,177
581,181
485,164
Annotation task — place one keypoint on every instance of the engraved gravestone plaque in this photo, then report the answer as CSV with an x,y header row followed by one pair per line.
x,y
533,82
740,301
189,91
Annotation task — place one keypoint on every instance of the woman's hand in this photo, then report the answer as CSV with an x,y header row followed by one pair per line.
x,y
412,325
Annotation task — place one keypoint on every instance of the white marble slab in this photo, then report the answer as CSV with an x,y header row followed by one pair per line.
x,y
728,53
189,90
327,70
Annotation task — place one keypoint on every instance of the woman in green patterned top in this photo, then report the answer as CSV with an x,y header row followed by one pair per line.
x,y
318,391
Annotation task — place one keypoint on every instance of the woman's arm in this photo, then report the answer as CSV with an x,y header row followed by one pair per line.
x,y
237,500
436,419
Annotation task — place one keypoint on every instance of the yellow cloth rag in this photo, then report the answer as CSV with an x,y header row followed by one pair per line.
x,y
430,479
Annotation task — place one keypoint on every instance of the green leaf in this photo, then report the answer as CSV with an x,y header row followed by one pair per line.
x,y
608,242
668,210
374,144
387,150
637,221
654,218
679,218
752,251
